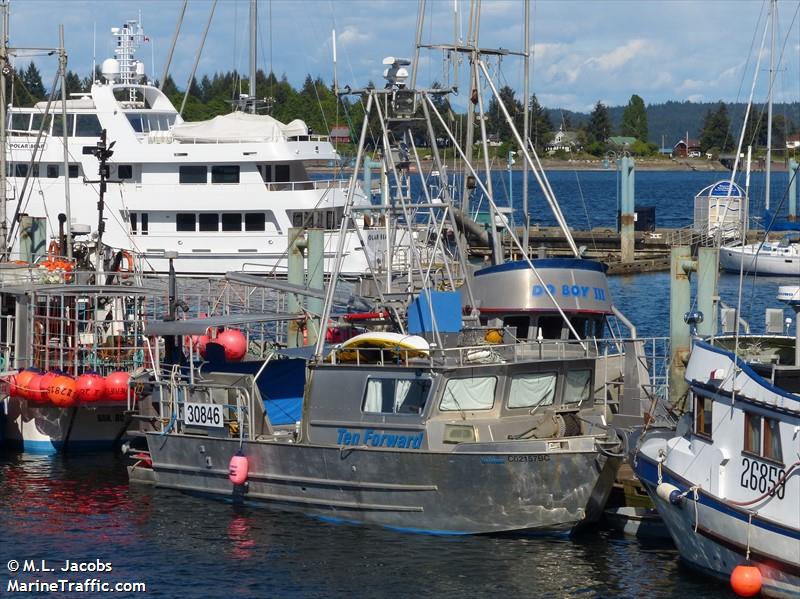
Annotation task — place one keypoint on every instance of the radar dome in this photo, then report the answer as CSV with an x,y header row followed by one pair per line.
x,y
110,69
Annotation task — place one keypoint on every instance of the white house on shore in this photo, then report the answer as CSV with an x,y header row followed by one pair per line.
x,y
566,141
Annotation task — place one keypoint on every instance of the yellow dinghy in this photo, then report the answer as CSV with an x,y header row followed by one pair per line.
x,y
374,346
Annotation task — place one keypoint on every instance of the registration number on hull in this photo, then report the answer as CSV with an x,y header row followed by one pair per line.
x,y
203,414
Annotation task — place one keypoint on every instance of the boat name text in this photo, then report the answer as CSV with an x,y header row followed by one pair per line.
x,y
598,293
529,458
376,439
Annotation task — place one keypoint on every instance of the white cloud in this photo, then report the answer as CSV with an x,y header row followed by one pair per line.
x,y
351,35
618,57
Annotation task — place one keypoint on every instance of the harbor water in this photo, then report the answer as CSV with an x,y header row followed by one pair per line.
x,y
81,508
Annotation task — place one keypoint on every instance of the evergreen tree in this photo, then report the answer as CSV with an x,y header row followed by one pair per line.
x,y
29,88
73,83
541,126
714,133
634,119
496,120
599,128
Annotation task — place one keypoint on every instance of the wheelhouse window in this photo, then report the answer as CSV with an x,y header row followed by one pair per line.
x,y
193,173
702,415
58,124
37,121
231,221
225,173
762,437
87,125
519,325
396,396
136,122
20,122
752,433
578,386
52,171
185,222
20,170
475,393
208,221
255,221
532,389
125,171
550,327
74,171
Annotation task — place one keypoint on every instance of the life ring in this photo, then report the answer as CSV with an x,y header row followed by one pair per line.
x,y
128,269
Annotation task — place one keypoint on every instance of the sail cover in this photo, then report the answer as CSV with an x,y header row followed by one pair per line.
x,y
238,127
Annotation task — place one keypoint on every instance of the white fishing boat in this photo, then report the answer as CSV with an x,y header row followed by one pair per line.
x,y
219,195
726,481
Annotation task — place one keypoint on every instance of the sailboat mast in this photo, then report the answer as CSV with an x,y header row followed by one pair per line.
x,y
253,33
773,10
3,68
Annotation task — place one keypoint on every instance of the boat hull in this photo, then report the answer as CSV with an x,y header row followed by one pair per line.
x,y
46,429
432,492
733,259
712,537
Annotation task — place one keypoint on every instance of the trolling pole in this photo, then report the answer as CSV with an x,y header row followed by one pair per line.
x,y
62,65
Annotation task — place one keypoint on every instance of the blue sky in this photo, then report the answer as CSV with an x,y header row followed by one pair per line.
x,y
584,51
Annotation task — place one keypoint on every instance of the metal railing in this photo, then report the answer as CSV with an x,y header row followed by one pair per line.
x,y
317,184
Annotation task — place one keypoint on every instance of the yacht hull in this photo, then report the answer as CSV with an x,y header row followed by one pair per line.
x,y
422,491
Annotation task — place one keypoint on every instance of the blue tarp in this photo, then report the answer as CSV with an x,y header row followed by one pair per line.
x,y
446,311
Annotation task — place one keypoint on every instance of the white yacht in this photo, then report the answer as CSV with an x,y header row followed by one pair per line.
x,y
220,194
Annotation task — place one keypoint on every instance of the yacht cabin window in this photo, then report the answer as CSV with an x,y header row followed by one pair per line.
x,y
20,169
36,123
255,221
282,173
145,223
133,219
20,121
532,389
752,433
74,171
52,171
396,396
87,125
58,125
231,221
125,171
208,221
225,173
185,221
702,416
193,173
474,393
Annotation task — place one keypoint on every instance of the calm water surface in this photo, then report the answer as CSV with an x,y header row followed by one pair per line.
x,y
81,508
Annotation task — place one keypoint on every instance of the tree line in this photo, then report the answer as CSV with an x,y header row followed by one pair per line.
x,y
316,104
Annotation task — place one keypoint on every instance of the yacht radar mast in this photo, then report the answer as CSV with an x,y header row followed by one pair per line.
x,y
129,37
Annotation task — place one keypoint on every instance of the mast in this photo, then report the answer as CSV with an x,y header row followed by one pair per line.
x,y
253,33
3,68
773,10
526,123
62,65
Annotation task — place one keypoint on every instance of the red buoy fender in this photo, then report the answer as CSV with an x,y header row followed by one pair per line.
x,y
117,386
746,580
237,469
90,387
234,343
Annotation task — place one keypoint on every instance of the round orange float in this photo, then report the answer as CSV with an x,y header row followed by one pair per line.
x,y
746,580
117,386
234,343
61,391
90,387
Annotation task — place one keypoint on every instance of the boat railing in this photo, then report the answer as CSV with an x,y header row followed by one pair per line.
x,y
312,185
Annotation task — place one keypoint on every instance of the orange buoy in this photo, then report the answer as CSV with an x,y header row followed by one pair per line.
x,y
746,580
12,385
39,392
237,469
22,383
90,387
117,386
61,391
234,342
